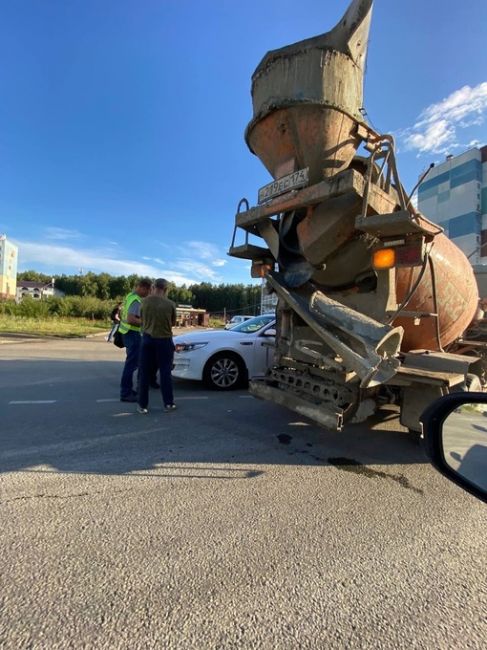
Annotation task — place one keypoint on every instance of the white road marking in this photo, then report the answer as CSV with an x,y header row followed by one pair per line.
x,y
107,400
185,397
191,397
33,401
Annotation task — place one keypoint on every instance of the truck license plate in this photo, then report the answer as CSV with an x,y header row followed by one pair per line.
x,y
285,184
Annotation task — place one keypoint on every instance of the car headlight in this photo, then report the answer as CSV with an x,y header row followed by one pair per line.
x,y
189,347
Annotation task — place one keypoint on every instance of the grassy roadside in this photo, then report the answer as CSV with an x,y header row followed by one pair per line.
x,y
62,327
216,323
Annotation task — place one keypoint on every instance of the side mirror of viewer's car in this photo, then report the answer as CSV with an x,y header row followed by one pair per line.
x,y
455,436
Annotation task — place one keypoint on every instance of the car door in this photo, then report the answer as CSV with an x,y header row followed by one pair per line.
x,y
263,351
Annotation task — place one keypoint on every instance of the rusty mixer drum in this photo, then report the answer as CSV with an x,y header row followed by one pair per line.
x,y
456,297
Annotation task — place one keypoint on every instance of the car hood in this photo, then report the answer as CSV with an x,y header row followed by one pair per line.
x,y
208,336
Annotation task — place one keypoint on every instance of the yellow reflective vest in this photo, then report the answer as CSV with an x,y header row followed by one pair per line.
x,y
124,326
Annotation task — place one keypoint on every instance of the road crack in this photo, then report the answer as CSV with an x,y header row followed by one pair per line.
x,y
55,496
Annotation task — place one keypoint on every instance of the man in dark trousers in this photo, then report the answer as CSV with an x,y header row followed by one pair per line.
x,y
158,317
130,322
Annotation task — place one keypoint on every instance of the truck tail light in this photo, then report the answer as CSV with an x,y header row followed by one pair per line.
x,y
408,254
384,258
411,255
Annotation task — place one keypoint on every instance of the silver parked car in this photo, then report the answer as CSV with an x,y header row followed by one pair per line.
x,y
237,320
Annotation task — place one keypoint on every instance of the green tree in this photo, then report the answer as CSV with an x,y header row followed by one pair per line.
x,y
34,276
103,284
88,284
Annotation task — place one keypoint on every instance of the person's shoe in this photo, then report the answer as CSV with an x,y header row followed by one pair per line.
x,y
129,398
140,409
169,407
154,384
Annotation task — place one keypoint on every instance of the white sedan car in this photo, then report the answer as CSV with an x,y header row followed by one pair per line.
x,y
226,359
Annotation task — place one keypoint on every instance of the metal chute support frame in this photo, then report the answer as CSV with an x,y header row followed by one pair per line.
x,y
363,345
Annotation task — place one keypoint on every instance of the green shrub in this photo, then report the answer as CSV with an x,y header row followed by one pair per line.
x,y
70,306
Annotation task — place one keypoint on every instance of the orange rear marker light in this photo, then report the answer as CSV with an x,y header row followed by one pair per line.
x,y
384,258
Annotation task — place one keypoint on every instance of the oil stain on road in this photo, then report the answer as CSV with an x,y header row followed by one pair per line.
x,y
351,465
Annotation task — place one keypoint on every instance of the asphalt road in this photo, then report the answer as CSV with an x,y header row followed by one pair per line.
x,y
230,523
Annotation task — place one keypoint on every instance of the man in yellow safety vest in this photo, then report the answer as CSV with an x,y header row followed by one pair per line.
x,y
130,323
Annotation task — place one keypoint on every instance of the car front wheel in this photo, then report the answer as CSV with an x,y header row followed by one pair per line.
x,y
224,371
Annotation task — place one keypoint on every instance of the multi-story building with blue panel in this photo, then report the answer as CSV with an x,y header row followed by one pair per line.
x,y
454,195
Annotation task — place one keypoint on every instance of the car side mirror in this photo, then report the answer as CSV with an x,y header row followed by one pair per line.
x,y
270,332
455,436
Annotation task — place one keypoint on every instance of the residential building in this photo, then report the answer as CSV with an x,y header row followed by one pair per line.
x,y
8,268
454,195
37,290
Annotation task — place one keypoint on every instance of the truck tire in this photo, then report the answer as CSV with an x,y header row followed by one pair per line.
x,y
472,384
225,371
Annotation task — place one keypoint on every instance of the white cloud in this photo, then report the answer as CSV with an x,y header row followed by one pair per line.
x,y
435,130
182,270
204,256
157,260
87,259
437,138
190,261
61,234
197,269
202,249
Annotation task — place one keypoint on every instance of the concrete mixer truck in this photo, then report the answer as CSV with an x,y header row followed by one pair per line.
x,y
373,299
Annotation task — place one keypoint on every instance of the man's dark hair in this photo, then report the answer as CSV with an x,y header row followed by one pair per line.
x,y
145,283
161,284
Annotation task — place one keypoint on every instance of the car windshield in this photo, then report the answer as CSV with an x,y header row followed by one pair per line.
x,y
253,324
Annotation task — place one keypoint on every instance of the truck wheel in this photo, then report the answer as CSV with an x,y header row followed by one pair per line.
x,y
224,371
472,384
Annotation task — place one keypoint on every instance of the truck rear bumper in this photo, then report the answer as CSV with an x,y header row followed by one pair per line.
x,y
316,412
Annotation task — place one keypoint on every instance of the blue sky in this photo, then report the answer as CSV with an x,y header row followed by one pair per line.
x,y
121,123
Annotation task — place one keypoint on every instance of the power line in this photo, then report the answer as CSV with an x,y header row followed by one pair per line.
x,y
255,306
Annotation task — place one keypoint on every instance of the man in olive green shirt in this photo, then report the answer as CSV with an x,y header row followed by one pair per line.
x,y
158,317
